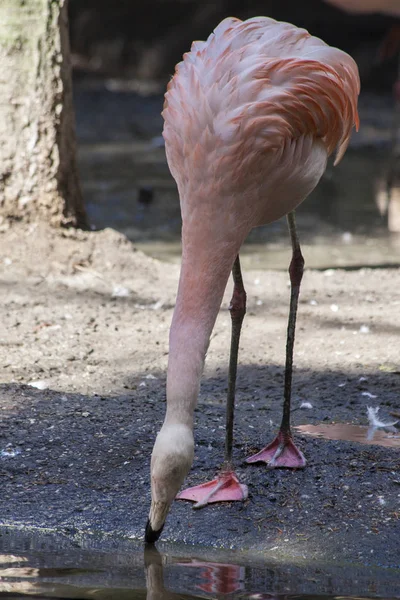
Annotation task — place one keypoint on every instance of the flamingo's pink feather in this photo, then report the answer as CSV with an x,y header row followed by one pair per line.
x,y
254,85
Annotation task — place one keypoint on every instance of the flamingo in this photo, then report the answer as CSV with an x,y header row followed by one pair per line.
x,y
250,118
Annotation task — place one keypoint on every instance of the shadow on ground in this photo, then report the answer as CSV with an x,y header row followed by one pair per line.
x,y
80,464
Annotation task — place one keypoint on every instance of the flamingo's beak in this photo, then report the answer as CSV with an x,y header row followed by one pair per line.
x,y
156,521
151,536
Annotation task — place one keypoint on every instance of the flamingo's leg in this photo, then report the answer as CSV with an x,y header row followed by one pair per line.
x,y
237,309
226,486
282,452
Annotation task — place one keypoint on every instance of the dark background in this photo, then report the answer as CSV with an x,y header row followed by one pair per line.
x,y
143,40
124,53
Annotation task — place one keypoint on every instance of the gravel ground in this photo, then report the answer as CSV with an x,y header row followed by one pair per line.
x,y
84,342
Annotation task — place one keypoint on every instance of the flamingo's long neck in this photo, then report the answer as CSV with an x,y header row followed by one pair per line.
x,y
206,264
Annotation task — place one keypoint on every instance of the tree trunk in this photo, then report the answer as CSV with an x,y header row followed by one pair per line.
x,y
38,172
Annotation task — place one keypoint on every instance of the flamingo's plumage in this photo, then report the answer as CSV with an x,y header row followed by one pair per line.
x,y
251,85
251,116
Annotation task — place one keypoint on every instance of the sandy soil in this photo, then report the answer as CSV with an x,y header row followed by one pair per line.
x,y
84,322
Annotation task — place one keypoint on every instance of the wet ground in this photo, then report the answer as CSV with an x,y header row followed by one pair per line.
x,y
389,437
49,566
79,464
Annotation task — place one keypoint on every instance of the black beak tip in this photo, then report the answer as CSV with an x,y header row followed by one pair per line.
x,y
151,536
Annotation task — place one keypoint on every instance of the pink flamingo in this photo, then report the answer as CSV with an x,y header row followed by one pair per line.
x,y
251,116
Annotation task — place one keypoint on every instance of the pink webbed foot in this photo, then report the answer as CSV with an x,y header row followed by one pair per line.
x,y
282,452
225,488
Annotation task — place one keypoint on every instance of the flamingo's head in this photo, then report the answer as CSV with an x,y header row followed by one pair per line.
x,y
171,460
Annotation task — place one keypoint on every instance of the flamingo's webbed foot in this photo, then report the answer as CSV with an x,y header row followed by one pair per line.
x,y
225,488
282,452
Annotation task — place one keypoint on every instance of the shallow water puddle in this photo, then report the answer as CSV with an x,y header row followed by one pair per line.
x,y
352,433
152,575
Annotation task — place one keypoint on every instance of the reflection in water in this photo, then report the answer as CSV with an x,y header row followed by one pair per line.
x,y
154,569
218,578
156,576
352,433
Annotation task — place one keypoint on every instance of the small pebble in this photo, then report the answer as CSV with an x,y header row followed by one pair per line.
x,y
40,384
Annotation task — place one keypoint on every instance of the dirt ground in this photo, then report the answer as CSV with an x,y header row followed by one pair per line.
x,y
84,321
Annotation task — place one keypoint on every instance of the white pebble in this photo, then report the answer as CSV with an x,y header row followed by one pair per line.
x,y
40,384
157,305
119,291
